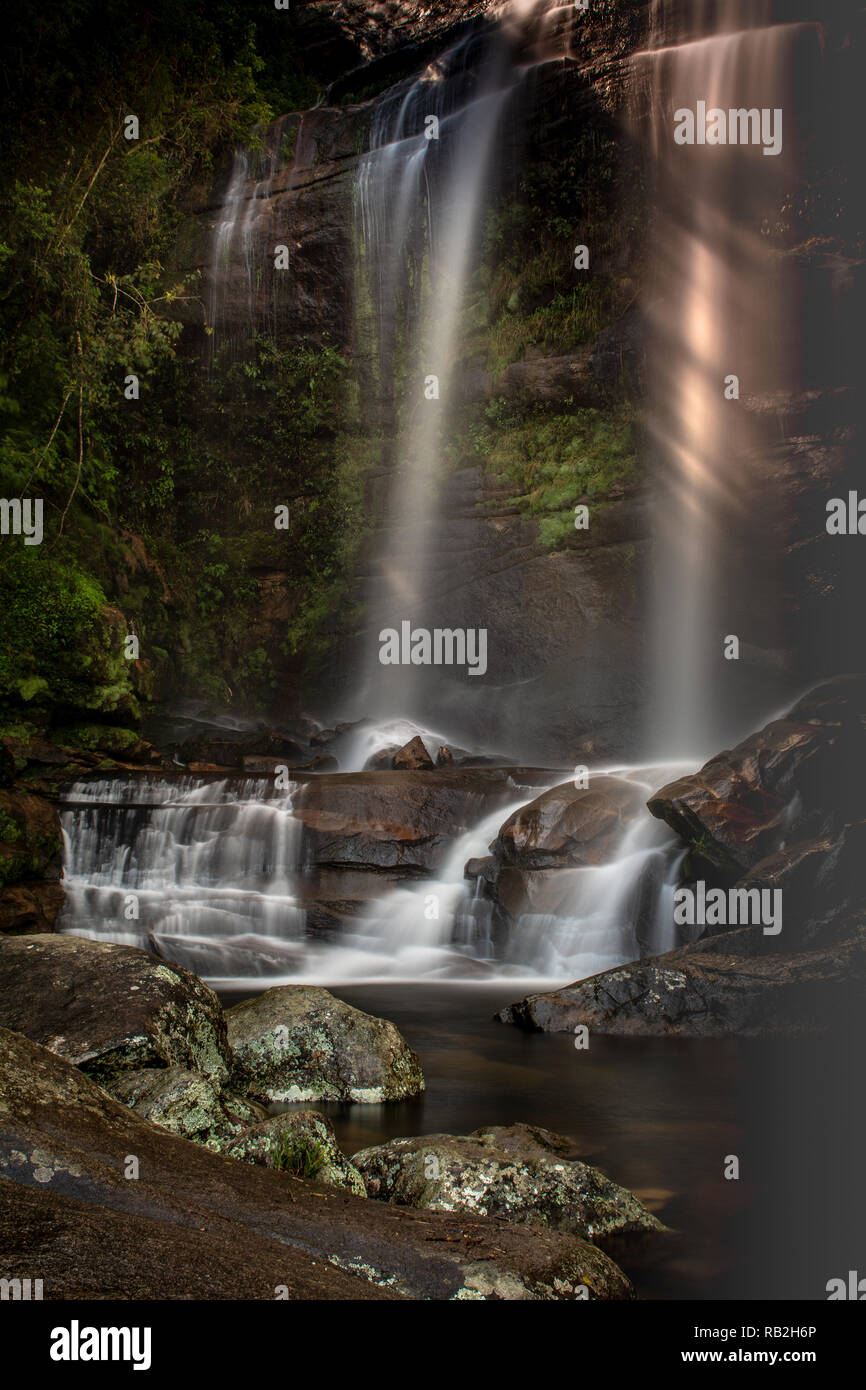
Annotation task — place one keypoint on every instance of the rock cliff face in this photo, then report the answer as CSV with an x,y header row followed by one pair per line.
x,y
565,617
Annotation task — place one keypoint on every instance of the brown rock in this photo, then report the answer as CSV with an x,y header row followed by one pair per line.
x,y
567,826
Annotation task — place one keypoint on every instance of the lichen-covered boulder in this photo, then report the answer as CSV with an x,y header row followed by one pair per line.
x,y
516,1173
300,1142
110,1009
186,1103
298,1043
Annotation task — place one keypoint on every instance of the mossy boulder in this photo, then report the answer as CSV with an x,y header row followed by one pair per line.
x,y
110,1009
300,1043
300,1142
515,1172
186,1103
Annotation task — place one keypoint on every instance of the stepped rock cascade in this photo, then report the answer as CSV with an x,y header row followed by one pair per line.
x,y
723,306
209,874
206,866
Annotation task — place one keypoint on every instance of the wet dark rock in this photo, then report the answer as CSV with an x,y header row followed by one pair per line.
x,y
300,1043
516,1172
444,757
30,842
399,821
30,907
569,826
196,1224
736,808
413,756
735,984
110,1009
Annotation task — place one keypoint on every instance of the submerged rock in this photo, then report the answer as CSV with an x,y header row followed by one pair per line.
x,y
569,826
186,1103
300,1142
298,1042
110,1009
196,1224
515,1172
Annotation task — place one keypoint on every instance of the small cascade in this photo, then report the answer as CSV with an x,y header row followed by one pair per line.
x,y
207,874
241,250
200,872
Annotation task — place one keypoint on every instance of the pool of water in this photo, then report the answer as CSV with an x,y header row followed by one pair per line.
x,y
657,1115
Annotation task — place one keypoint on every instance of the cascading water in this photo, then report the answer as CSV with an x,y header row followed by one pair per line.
x,y
421,189
721,307
201,872
214,870
240,248
209,875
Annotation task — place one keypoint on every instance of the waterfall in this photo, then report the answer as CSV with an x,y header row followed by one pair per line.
x,y
200,872
435,151
209,875
722,306
241,253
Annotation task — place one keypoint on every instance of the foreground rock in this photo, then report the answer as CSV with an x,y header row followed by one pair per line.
x,y
110,1009
300,1142
517,1173
186,1103
296,1043
733,984
195,1224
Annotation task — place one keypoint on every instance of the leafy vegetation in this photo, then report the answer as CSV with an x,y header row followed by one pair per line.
x,y
159,511
298,1155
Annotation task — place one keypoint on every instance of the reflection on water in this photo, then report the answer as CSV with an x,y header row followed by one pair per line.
x,y
657,1115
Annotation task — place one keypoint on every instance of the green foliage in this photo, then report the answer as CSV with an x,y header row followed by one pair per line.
x,y
298,1155
552,456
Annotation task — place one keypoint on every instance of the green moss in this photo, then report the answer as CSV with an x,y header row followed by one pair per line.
x,y
105,737
552,457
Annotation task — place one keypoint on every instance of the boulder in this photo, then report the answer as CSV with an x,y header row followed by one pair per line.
x,y
413,756
110,1009
299,1043
567,826
735,984
195,1224
515,1172
186,1103
738,806
300,1142
400,821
